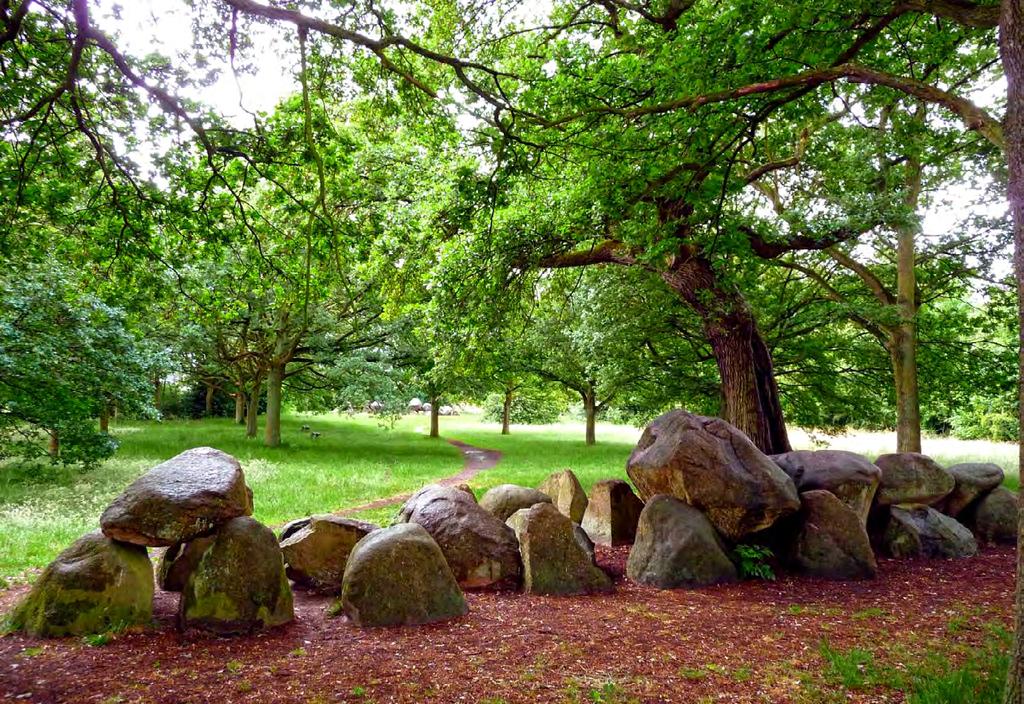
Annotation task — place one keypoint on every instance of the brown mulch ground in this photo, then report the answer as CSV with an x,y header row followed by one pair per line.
x,y
475,460
747,642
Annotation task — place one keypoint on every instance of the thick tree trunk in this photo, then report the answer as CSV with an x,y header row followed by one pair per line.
x,y
1011,45
903,353
272,429
240,407
208,401
590,411
105,418
252,411
54,445
435,428
505,411
750,394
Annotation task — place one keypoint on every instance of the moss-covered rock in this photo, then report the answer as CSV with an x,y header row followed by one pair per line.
x,y
676,546
399,576
239,585
178,561
993,517
555,559
912,478
315,555
94,586
187,496
850,477
505,499
972,481
915,530
832,540
566,493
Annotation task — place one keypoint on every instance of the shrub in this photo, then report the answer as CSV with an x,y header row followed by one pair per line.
x,y
987,417
754,562
529,405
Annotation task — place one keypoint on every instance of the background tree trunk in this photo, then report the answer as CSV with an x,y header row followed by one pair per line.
x,y
252,410
1011,46
590,409
240,407
208,409
158,392
505,411
272,428
903,353
105,418
54,445
435,429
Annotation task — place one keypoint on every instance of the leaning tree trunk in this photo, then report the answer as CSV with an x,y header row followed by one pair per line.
x,y
240,407
506,411
1011,45
435,426
252,410
750,394
272,430
590,411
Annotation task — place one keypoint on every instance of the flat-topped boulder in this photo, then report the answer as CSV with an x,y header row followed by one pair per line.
x,y
612,513
187,496
916,530
713,466
93,586
993,518
971,481
315,555
555,559
398,576
480,549
832,540
505,499
852,478
912,478
566,494
676,546
239,585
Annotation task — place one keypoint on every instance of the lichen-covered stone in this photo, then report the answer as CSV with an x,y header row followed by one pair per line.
x,y
832,541
315,555
94,586
187,496
612,513
676,546
972,480
566,493
505,499
848,476
713,466
917,530
398,576
178,561
994,517
480,549
912,478
239,585
555,559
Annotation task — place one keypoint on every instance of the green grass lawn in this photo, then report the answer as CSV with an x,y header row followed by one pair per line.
x,y
44,508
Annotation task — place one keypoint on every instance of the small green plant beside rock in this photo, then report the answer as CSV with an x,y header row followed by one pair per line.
x,y
754,562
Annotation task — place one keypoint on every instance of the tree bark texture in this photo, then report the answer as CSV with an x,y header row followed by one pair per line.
x,y
239,407
590,409
252,410
272,427
435,426
506,409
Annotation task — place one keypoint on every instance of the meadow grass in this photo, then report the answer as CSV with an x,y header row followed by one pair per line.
x,y
356,459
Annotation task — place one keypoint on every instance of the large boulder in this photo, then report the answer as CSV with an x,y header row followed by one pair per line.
x,y
398,576
566,493
505,499
917,530
555,559
993,518
612,513
187,496
849,476
712,466
480,549
239,585
315,555
93,586
832,540
178,562
972,480
676,546
911,478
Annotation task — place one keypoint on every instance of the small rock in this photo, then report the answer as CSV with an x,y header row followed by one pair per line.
x,y
911,478
994,517
972,480
613,511
676,546
398,576
315,556
566,493
505,499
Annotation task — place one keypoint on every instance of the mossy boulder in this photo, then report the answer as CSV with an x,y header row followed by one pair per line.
x,y
916,530
711,465
178,562
566,493
505,499
612,513
555,559
676,546
94,586
912,478
315,555
993,518
187,496
832,541
972,481
239,585
398,576
480,549
850,477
